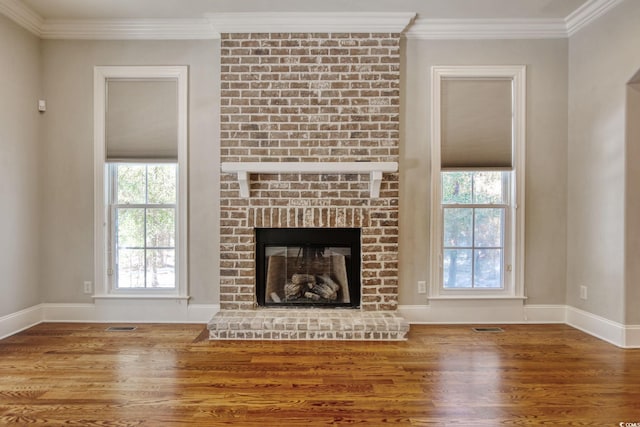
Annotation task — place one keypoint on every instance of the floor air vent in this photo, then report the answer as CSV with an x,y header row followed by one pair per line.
x,y
121,328
494,330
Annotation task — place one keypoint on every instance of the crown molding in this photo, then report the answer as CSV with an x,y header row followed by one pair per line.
x,y
294,22
587,13
213,24
129,29
22,15
448,29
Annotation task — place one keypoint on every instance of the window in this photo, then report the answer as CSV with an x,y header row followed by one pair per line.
x,y
475,210
143,223
477,152
140,164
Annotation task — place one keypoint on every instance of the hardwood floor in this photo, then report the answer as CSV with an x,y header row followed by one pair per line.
x,y
171,375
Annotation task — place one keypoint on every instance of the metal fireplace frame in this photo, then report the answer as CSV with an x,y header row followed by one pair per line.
x,y
306,237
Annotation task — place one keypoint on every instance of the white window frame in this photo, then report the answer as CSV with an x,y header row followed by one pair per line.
x,y
513,285
114,206
104,287
506,224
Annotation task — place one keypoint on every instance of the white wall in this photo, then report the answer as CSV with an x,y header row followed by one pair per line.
x,y
603,57
67,173
19,167
546,157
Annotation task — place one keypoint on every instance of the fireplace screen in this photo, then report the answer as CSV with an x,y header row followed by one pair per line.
x,y
308,267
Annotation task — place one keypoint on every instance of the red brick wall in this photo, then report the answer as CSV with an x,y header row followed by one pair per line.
x,y
310,98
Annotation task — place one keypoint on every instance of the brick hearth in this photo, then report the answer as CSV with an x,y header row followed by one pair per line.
x,y
309,97
308,324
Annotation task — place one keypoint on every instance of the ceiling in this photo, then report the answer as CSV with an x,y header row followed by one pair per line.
x,y
182,9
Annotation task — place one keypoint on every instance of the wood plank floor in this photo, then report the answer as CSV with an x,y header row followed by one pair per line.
x,y
171,375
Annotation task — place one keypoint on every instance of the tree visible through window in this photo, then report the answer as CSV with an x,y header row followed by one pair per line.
x,y
143,213
475,205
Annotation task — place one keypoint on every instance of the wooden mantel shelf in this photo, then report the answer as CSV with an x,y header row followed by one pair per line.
x,y
374,169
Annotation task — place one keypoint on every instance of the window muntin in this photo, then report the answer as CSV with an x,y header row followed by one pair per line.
x,y
474,216
104,78
143,210
477,157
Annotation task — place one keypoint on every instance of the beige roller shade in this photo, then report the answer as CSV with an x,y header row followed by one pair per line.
x,y
476,123
142,119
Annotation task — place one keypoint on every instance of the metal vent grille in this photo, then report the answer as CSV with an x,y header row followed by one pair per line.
x,y
121,328
493,329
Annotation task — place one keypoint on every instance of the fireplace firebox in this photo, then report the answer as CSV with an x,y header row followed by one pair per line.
x,y
308,267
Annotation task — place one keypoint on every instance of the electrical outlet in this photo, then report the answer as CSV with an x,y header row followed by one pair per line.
x,y
583,292
422,287
88,287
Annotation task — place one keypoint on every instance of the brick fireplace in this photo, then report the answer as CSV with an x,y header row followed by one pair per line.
x,y
309,97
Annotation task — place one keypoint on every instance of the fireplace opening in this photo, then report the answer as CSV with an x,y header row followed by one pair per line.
x,y
312,267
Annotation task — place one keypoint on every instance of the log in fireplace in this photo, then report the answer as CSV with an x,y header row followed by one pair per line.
x,y
308,267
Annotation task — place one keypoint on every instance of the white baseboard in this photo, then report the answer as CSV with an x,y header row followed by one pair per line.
x,y
201,313
57,312
131,311
545,313
632,336
112,311
20,320
465,311
625,336
154,311
482,312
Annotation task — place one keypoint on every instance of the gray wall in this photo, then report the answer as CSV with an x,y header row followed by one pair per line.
x,y
632,222
19,167
67,174
68,70
603,57
546,157
582,167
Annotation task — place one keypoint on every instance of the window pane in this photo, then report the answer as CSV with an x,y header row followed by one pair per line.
x,y
473,237
458,227
130,268
488,268
161,268
457,268
487,187
130,227
131,184
456,187
161,183
488,227
161,227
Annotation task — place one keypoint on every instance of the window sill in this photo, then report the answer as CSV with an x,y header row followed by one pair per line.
x,y
141,296
477,297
